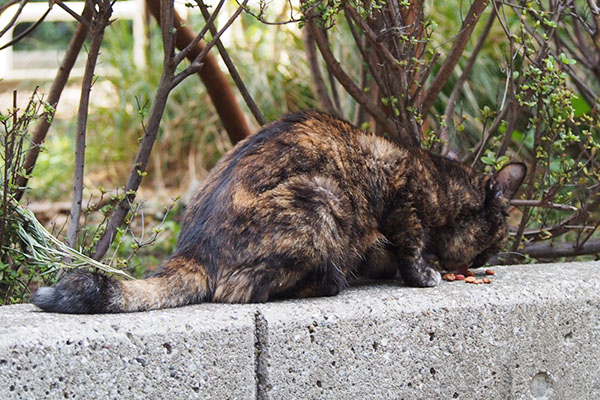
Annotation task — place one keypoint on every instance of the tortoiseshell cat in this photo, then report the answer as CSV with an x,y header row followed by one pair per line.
x,y
301,208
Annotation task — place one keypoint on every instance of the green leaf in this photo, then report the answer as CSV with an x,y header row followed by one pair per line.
x,y
487,160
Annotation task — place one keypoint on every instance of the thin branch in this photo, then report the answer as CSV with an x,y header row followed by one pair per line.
x,y
363,51
59,83
448,142
347,82
99,23
542,203
231,67
72,13
262,20
595,10
532,172
577,218
371,36
12,21
196,64
166,13
547,250
317,76
332,85
445,71
199,37
217,85
27,31
490,133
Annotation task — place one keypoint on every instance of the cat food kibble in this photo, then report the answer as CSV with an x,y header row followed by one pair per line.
x,y
459,277
449,277
487,280
470,279
489,272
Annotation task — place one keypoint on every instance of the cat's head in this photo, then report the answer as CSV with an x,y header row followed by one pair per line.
x,y
479,232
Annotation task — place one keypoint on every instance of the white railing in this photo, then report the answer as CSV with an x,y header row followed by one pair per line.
x,y
127,10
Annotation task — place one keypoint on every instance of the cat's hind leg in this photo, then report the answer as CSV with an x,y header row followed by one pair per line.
x,y
300,238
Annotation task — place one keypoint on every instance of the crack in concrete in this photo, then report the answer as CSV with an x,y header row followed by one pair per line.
x,y
261,356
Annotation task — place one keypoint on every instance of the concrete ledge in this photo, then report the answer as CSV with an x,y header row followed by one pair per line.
x,y
534,333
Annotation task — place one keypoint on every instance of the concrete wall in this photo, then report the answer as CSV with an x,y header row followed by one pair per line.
x,y
534,333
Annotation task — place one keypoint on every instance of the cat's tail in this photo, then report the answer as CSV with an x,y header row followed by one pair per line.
x,y
179,282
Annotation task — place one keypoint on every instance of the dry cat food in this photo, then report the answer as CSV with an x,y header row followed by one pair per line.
x,y
450,277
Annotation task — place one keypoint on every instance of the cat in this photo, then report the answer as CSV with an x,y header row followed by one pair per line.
x,y
302,208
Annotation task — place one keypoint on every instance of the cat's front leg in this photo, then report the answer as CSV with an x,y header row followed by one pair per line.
x,y
420,274
408,239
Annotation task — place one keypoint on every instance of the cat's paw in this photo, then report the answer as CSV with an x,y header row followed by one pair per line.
x,y
423,275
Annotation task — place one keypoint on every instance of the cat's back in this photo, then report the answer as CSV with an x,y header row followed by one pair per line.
x,y
307,143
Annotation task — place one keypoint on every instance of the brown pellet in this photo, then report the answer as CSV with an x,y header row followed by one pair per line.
x,y
449,277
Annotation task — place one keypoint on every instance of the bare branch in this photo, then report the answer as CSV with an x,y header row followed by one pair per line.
x,y
547,250
59,83
317,76
542,203
27,31
217,85
143,155
231,67
445,71
532,171
595,10
347,82
72,13
449,112
100,21
186,51
12,21
197,62
260,16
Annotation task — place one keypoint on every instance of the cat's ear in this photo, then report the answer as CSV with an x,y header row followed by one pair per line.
x,y
507,181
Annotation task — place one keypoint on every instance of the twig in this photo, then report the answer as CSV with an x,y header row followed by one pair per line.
x,y
347,82
448,142
317,76
532,172
577,218
595,10
186,51
167,81
542,203
547,250
217,85
197,62
231,67
260,17
456,51
332,85
59,83
12,21
73,14
100,21
27,31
